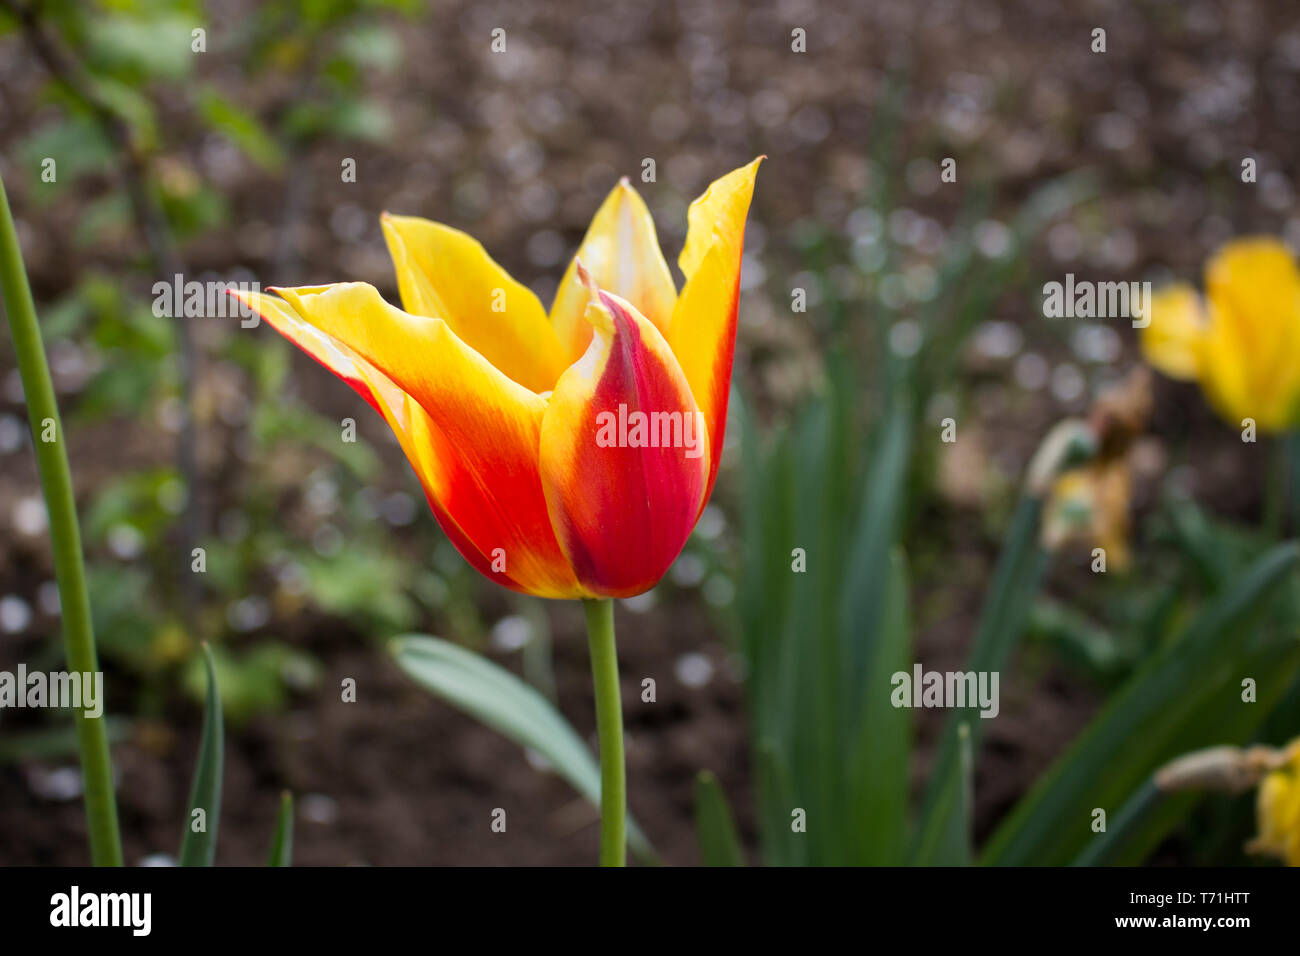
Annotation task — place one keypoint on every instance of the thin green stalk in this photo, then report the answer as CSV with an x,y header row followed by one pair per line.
x,y
1276,493
65,537
1291,479
609,729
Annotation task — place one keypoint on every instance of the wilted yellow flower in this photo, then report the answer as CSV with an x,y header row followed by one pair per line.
x,y
1090,504
1277,811
1241,341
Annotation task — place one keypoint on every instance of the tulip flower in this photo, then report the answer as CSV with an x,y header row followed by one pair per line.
x,y
566,455
1241,340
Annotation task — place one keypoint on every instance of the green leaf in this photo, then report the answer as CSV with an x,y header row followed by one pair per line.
x,y
138,48
241,128
200,848
1015,583
878,770
807,656
782,845
719,844
1174,703
883,500
501,700
282,842
78,146
952,843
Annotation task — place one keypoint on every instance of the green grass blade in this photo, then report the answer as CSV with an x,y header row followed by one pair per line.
x,y
199,844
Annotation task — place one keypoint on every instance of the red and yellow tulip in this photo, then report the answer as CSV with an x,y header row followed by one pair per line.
x,y
498,406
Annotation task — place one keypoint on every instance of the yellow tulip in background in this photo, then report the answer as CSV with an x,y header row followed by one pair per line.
x,y
1277,811
498,406
1241,340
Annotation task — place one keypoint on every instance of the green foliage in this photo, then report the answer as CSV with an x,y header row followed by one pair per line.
x,y
255,680
819,648
719,843
1186,697
817,641
497,698
1011,592
282,842
140,47
199,842
242,128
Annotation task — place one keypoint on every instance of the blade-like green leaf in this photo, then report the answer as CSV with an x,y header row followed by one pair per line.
x,y
868,571
953,847
199,843
808,653
1143,725
878,771
719,844
505,703
782,843
1015,583
282,842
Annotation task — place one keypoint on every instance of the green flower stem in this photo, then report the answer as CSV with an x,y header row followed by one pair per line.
x,y
609,729
65,538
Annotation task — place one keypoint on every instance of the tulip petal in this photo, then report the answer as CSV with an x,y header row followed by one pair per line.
x,y
623,501
1249,367
445,274
622,254
470,433
1171,339
703,329
364,378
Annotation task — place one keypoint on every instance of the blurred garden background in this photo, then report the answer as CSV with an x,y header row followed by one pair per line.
x,y
921,294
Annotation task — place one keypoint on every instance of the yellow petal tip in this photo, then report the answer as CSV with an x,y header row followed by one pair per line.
x,y
596,313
